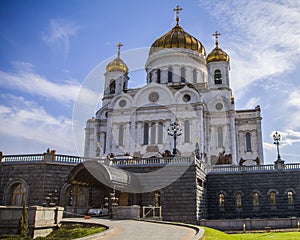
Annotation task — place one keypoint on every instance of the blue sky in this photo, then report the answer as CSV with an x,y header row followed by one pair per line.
x,y
49,48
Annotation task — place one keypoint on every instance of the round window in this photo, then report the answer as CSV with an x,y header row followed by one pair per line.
x,y
219,106
186,98
122,103
153,97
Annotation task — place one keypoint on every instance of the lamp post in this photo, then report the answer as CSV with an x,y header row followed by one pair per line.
x,y
111,202
276,137
51,200
279,162
174,132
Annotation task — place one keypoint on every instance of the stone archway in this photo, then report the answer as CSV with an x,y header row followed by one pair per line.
x,y
16,192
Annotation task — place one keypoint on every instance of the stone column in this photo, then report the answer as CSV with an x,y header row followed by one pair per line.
x,y
132,133
233,138
108,134
259,136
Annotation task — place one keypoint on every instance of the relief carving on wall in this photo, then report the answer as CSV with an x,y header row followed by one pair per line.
x,y
224,158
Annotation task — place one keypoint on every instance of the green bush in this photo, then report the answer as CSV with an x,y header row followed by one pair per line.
x,y
23,222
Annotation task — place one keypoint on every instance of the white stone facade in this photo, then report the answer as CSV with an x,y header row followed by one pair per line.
x,y
180,87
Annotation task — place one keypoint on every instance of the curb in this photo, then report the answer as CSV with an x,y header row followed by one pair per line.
x,y
199,230
85,221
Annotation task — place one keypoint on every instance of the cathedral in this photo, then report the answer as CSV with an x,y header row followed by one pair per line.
x,y
186,87
176,144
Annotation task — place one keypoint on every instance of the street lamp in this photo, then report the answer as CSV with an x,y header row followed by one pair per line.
x,y
111,202
51,200
276,137
176,131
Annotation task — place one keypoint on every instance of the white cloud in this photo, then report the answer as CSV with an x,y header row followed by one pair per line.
x,y
291,109
269,146
288,137
262,37
24,79
26,120
60,32
252,103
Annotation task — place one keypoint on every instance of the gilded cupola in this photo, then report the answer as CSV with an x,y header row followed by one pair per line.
x,y
177,38
117,65
217,54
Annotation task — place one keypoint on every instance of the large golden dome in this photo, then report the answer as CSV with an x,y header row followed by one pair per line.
x,y
117,65
177,38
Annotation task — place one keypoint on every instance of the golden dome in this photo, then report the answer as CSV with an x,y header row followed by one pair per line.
x,y
217,55
117,65
177,38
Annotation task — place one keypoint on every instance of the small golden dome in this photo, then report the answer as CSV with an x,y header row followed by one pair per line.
x,y
117,65
217,55
177,38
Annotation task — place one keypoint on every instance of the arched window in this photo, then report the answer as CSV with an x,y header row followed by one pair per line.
x,y
153,133
248,142
255,199
160,133
158,75
290,196
182,76
146,133
186,131
150,77
121,135
112,87
170,75
238,200
104,143
220,137
195,76
218,77
221,200
157,198
17,194
273,198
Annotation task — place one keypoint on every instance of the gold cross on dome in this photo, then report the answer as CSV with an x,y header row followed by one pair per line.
x,y
216,35
119,45
177,11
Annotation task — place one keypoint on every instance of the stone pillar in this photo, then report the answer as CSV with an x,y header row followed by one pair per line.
x,y
108,134
259,136
132,133
233,138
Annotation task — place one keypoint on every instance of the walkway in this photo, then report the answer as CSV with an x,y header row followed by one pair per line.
x,y
140,230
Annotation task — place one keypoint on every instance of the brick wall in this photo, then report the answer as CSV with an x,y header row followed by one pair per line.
x,y
41,178
280,181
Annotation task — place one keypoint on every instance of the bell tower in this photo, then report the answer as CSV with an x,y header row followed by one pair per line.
x,y
116,76
218,66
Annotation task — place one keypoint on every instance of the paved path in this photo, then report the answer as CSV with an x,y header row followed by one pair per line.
x,y
139,230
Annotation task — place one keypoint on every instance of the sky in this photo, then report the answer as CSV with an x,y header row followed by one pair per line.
x,y
49,51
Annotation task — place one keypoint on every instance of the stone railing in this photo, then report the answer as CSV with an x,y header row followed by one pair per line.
x,y
256,168
117,161
23,158
124,161
151,161
46,157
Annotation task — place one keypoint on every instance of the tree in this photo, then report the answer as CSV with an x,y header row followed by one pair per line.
x,y
23,222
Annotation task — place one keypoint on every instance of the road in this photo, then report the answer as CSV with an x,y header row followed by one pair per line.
x,y
139,230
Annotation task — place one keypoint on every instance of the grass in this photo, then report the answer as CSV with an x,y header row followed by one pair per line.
x,y
212,234
66,232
